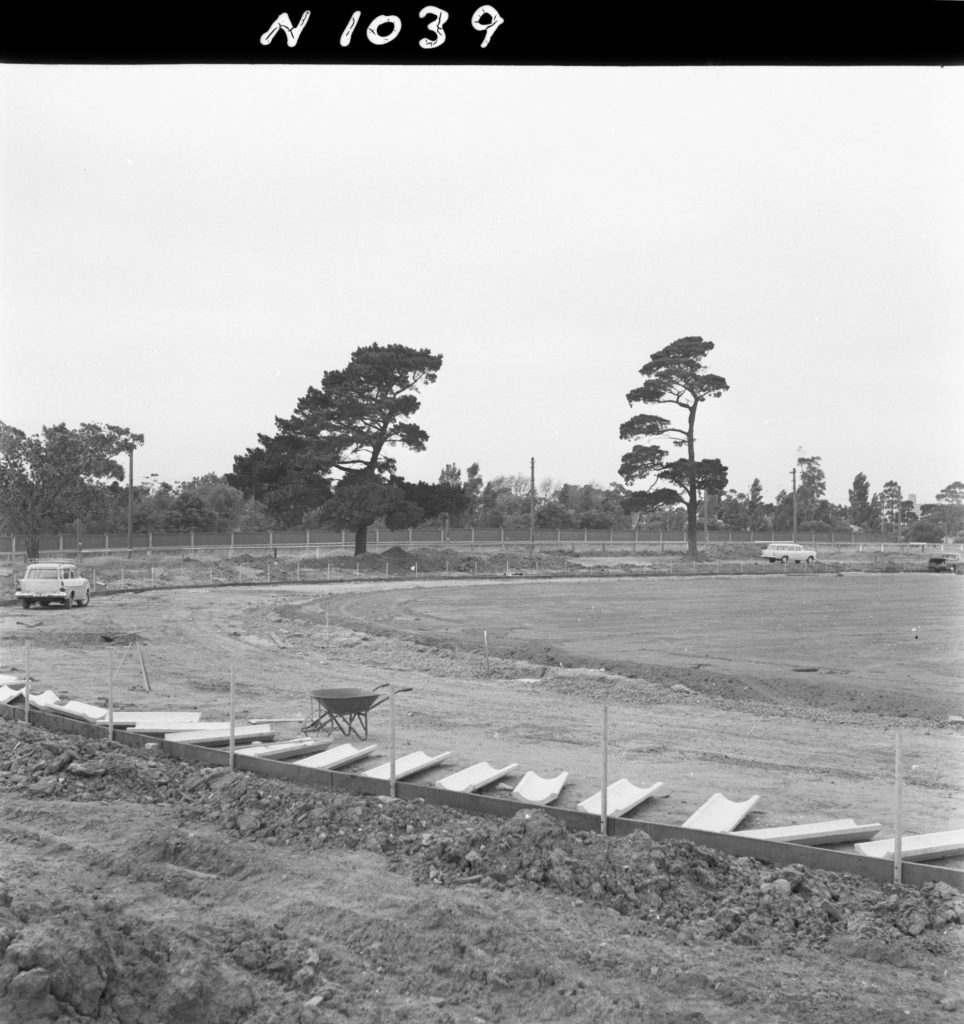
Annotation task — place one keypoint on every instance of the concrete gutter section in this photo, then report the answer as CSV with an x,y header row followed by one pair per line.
x,y
773,852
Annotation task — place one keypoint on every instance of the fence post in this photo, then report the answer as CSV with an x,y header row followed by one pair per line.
x,y
604,792
898,809
192,538
61,538
150,540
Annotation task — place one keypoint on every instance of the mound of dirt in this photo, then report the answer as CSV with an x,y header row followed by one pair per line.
x,y
89,955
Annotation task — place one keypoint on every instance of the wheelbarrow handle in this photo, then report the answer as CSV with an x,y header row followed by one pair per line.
x,y
388,696
401,689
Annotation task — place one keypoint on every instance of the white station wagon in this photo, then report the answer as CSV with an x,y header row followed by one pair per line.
x,y
47,582
786,552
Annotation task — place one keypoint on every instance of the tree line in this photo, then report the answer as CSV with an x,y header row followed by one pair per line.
x,y
330,464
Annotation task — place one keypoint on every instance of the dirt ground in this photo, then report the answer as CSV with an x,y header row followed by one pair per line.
x,y
139,889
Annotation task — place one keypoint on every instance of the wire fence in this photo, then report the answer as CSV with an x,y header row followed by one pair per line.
x,y
74,545
275,572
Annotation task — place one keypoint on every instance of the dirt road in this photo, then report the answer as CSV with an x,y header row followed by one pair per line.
x,y
812,745
145,890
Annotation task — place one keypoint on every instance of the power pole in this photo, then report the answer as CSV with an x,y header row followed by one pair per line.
x,y
130,504
532,502
794,503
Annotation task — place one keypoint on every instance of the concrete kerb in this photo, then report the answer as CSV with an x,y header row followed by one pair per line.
x,y
732,843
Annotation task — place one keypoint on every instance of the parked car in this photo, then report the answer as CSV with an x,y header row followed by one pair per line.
x,y
785,552
44,583
949,561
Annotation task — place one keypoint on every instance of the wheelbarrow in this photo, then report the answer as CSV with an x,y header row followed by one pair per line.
x,y
345,709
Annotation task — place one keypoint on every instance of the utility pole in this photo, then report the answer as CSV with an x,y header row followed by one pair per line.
x,y
794,474
532,502
130,503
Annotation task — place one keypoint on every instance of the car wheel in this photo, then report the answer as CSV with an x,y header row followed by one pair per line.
x,y
25,602
85,600
69,600
810,560
771,560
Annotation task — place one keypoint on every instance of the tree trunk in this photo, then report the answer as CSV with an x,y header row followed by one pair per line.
x,y
33,546
692,505
693,495
361,540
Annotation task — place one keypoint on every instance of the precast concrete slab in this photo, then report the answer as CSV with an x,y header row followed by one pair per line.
x,y
475,777
818,833
148,718
337,757
80,709
162,726
409,764
720,814
44,699
621,798
536,789
219,737
284,750
932,846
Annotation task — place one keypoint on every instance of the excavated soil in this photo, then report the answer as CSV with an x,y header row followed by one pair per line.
x,y
138,888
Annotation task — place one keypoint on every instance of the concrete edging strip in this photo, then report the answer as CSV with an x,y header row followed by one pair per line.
x,y
773,852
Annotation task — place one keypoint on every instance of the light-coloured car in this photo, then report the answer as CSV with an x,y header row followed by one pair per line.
x,y
44,583
784,551
949,561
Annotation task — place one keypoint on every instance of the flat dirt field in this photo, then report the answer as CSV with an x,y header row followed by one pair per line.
x,y
140,889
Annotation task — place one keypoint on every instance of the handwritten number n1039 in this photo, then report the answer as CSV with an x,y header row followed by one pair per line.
x,y
486,19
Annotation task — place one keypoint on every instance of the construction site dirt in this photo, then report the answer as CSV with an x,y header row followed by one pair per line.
x,y
140,888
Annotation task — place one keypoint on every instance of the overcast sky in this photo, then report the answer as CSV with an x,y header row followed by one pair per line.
x,y
185,249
